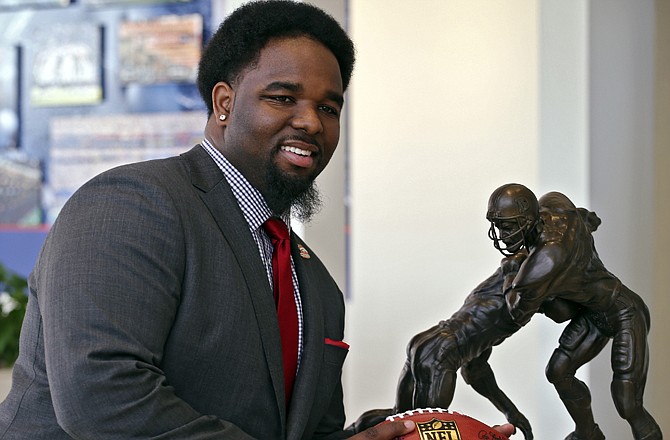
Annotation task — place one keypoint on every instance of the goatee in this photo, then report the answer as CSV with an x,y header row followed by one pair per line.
x,y
284,193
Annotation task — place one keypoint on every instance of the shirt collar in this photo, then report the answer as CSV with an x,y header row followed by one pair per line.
x,y
250,200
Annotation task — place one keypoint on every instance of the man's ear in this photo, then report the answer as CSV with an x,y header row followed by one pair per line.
x,y
222,101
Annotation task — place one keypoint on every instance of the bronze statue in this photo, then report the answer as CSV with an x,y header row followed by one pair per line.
x,y
561,262
464,342
550,266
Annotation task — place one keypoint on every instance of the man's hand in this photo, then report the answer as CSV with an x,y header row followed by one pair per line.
x,y
386,431
507,429
391,430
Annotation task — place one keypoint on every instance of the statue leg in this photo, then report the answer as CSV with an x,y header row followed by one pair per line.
x,y
434,388
579,344
405,391
630,363
625,394
434,364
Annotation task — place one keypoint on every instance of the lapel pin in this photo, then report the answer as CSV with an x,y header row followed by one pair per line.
x,y
303,252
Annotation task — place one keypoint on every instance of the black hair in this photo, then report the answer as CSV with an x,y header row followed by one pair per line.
x,y
237,43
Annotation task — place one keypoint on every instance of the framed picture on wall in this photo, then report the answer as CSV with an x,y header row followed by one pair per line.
x,y
15,4
66,65
9,97
130,2
160,50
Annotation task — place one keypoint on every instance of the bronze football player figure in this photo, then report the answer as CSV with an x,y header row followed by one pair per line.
x,y
561,262
550,266
465,342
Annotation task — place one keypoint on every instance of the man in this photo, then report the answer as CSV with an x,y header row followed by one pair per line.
x,y
562,262
151,310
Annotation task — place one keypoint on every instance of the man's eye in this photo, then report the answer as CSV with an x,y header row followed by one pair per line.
x,y
330,110
280,98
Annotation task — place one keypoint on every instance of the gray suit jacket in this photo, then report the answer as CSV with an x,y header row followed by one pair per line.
x,y
151,316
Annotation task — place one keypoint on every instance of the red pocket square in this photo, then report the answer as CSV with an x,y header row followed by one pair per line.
x,y
340,344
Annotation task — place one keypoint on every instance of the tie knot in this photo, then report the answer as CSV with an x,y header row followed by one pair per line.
x,y
276,229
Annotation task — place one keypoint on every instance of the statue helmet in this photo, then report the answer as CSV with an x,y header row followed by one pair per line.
x,y
513,210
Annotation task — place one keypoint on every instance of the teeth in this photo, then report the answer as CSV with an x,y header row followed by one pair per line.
x,y
296,150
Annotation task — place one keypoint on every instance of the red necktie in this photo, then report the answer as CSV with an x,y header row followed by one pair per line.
x,y
284,299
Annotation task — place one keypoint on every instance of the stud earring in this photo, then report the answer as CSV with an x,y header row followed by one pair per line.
x,y
222,117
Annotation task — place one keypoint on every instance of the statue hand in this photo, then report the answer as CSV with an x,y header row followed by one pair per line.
x,y
369,419
520,421
386,431
512,299
511,264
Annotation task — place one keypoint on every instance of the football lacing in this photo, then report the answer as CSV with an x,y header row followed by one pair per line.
x,y
411,412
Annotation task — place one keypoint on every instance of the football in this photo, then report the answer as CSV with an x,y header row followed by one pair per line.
x,y
441,424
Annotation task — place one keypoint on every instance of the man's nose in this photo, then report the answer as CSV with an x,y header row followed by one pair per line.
x,y
306,118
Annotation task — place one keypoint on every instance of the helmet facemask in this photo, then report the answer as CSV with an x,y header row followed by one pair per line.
x,y
499,242
513,211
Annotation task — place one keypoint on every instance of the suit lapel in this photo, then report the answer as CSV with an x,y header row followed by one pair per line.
x,y
219,199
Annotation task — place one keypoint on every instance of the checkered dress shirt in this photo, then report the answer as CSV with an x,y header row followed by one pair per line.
x,y
256,212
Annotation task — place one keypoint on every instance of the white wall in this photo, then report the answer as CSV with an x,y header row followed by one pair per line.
x,y
622,94
658,393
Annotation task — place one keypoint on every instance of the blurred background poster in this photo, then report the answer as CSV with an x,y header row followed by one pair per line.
x,y
14,4
129,2
84,146
160,50
66,67
60,59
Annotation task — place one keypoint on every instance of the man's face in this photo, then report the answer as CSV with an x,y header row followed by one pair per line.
x,y
284,122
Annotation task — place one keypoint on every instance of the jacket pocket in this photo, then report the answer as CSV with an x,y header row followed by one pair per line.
x,y
335,352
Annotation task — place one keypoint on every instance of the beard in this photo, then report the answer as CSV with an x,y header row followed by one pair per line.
x,y
284,193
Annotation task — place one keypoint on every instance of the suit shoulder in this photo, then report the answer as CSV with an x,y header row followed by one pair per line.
x,y
153,170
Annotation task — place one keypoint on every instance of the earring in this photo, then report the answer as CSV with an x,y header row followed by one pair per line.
x,y
222,117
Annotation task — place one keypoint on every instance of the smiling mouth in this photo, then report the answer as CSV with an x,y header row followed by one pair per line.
x,y
295,150
298,158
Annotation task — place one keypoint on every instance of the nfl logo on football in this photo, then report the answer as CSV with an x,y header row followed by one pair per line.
x,y
438,430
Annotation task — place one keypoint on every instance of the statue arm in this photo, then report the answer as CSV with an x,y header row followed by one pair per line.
x,y
510,268
559,309
479,375
531,286
521,305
